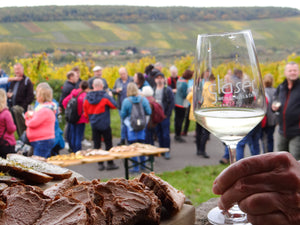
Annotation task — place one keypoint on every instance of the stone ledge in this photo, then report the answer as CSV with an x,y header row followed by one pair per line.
x,y
203,209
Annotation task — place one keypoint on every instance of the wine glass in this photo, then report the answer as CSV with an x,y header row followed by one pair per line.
x,y
228,96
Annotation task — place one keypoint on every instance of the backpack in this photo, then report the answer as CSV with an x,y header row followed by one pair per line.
x,y
71,111
157,115
137,117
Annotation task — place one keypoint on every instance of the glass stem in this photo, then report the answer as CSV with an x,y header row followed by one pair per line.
x,y
232,153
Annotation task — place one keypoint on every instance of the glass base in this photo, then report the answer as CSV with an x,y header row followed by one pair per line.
x,y
217,217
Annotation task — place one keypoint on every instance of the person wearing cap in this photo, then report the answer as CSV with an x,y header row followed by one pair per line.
x,y
164,96
97,74
180,103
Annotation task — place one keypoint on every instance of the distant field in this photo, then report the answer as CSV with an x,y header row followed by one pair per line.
x,y
270,34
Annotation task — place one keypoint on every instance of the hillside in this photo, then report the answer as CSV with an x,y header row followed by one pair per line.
x,y
162,32
279,36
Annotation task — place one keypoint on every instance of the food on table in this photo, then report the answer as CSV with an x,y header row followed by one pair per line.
x,y
115,202
92,152
172,199
21,171
57,172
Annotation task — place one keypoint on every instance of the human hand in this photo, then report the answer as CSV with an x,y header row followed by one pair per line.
x,y
276,105
266,187
14,79
28,114
9,94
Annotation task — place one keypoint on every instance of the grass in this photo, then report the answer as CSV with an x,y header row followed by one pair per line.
x,y
195,182
115,125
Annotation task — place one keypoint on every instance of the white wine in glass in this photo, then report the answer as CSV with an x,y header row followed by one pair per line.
x,y
230,102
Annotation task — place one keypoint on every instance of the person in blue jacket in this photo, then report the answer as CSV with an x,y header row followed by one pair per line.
x,y
134,136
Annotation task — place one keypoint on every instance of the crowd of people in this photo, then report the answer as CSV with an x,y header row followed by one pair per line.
x,y
145,102
157,93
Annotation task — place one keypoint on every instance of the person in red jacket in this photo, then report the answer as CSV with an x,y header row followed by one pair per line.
x,y
7,127
97,107
75,131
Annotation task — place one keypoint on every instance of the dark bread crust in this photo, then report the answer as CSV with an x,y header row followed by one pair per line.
x,y
172,199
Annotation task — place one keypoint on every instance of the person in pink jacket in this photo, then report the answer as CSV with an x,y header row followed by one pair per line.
x,y
7,127
75,132
40,123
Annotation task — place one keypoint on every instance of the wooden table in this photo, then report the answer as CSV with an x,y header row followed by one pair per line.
x,y
116,155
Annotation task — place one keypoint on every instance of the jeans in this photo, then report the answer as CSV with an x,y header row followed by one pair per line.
x,y
252,139
149,136
42,148
291,145
123,128
75,135
163,133
268,138
136,159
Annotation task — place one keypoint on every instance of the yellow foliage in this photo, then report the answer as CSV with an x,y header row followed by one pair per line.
x,y
39,68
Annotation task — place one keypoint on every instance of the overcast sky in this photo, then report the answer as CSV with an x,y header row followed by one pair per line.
x,y
192,3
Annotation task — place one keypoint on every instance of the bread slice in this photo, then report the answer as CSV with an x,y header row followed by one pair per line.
x,y
57,172
172,199
23,172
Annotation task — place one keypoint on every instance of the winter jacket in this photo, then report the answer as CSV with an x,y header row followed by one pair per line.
x,y
24,96
182,91
208,97
123,94
289,118
80,101
96,108
172,82
65,91
41,125
127,105
168,101
126,113
7,123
